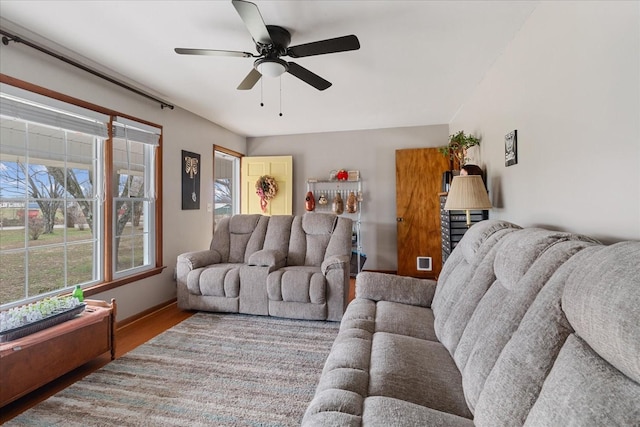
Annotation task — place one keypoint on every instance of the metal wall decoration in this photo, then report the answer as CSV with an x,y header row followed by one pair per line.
x,y
511,148
190,180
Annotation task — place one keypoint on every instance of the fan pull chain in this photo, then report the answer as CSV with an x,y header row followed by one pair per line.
x,y
261,100
280,96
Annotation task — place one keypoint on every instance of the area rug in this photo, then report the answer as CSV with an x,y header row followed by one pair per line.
x,y
211,369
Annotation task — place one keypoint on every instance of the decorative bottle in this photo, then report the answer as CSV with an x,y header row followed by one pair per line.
x,y
352,203
338,204
309,202
77,293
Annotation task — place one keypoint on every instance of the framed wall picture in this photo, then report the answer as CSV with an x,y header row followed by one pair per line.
x,y
511,148
190,164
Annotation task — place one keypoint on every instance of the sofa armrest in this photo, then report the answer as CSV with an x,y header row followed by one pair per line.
x,y
389,287
198,259
334,261
268,258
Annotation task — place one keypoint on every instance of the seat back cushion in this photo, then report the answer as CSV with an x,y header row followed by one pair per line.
x,y
596,377
278,233
524,262
515,381
310,235
237,237
465,278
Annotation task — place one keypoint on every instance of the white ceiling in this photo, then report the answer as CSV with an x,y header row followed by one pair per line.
x,y
418,61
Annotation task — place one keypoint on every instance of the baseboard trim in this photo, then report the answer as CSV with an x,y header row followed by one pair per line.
x,y
146,313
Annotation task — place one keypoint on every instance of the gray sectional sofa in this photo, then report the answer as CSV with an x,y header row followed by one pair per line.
x,y
281,265
524,327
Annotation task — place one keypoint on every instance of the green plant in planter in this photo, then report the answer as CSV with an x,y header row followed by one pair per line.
x,y
457,148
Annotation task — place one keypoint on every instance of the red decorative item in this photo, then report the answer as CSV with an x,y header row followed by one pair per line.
x,y
342,175
309,202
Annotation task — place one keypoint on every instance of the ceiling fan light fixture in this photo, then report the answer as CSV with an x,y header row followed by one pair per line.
x,y
271,67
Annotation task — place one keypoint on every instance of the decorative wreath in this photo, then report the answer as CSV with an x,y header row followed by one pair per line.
x,y
266,189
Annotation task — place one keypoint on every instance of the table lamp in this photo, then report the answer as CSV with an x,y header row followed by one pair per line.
x,y
467,193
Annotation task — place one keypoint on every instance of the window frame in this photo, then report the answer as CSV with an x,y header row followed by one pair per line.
x,y
107,231
236,179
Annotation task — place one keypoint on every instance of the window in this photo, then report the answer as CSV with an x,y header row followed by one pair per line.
x,y
226,170
58,227
133,219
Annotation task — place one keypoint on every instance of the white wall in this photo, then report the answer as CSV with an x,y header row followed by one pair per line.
x,y
570,84
372,152
182,230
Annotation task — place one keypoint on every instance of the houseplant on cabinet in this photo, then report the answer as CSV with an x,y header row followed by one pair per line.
x,y
457,148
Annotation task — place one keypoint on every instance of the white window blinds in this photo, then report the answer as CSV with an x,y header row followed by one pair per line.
x,y
35,108
136,131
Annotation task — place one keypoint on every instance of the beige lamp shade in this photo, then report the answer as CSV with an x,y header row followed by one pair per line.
x,y
467,193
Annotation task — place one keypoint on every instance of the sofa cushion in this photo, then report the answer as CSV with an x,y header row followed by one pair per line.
x,y
602,303
402,289
472,247
220,280
518,254
310,236
403,319
465,278
585,390
360,314
595,379
234,237
278,233
345,376
525,261
198,259
385,412
243,240
352,350
297,284
417,371
318,223
515,381
334,407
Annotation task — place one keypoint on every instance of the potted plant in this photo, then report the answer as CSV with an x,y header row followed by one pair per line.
x,y
456,150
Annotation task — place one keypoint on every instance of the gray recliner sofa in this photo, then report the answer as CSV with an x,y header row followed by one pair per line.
x,y
524,327
281,265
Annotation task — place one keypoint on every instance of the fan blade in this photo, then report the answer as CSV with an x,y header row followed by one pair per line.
x,y
250,81
338,44
308,77
212,52
252,19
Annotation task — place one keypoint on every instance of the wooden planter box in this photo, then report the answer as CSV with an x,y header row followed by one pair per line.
x,y
34,360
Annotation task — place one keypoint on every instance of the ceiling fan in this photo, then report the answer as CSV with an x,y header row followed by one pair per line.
x,y
272,42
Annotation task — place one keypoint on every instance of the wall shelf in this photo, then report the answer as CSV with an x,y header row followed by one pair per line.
x,y
330,188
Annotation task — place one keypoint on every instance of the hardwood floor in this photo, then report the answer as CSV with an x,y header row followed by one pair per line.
x,y
128,337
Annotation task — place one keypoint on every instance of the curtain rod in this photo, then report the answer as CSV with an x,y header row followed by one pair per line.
x,y
7,37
